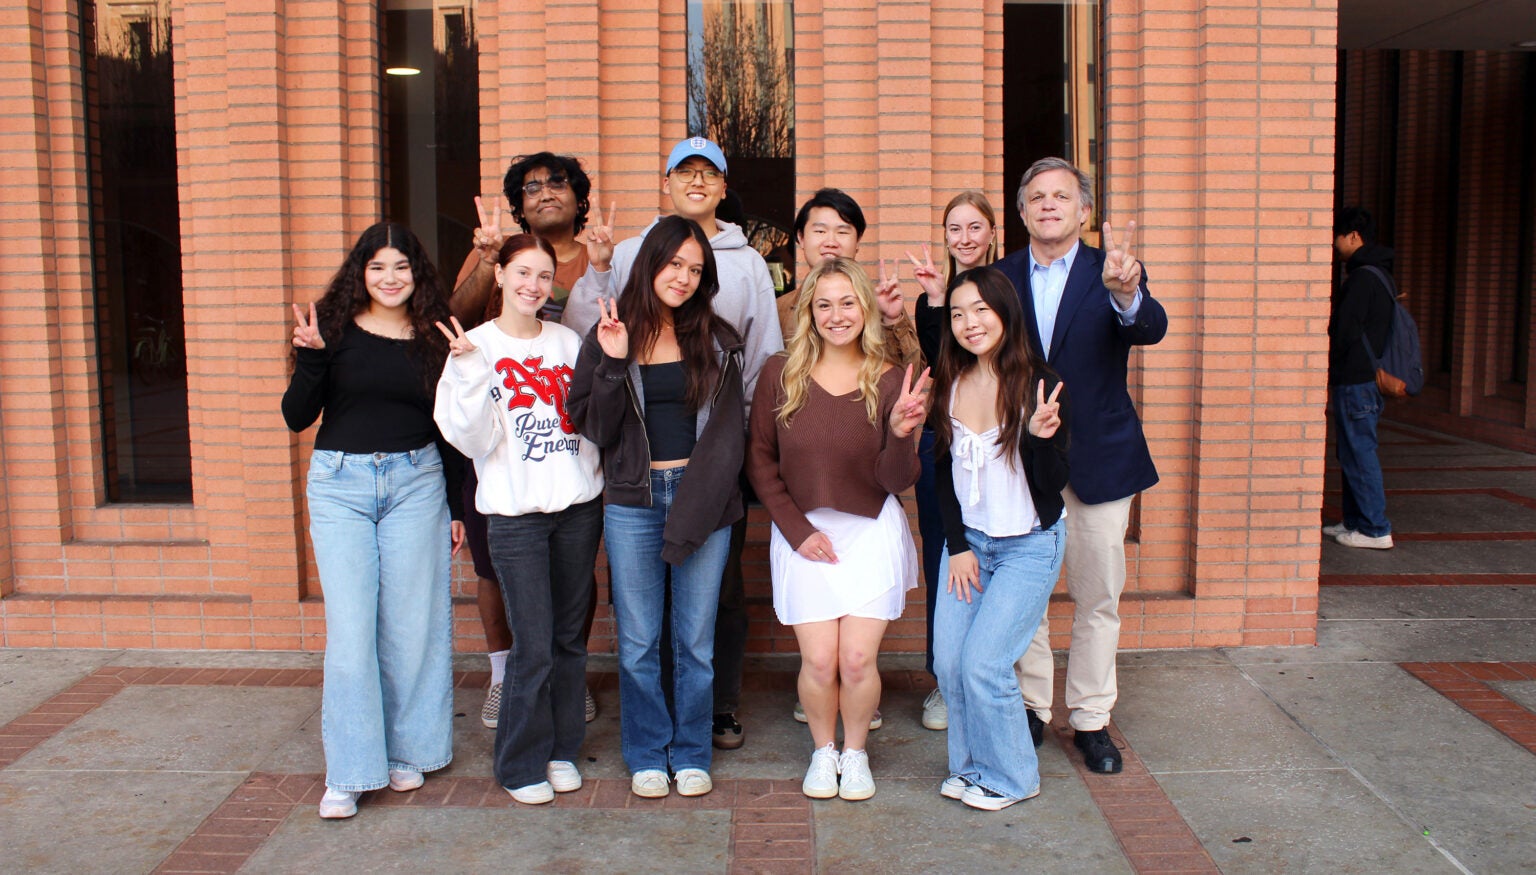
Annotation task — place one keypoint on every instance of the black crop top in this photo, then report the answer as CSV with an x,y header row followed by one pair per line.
x,y
670,427
374,399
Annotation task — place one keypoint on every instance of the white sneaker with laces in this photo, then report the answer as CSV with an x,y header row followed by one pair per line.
x,y
935,711
401,780
1335,530
693,782
821,777
857,782
953,787
338,804
649,783
1368,542
534,794
563,776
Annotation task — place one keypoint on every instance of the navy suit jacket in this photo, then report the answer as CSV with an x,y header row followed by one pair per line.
x,y
1089,348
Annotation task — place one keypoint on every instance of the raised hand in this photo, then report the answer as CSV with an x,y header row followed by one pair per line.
x,y
306,332
928,277
458,341
598,237
893,307
818,548
964,576
612,336
912,405
488,237
1046,419
1122,272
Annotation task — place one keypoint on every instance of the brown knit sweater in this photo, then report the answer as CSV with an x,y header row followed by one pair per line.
x,y
829,456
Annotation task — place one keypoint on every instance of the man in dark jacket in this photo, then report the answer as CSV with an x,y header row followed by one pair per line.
x,y
1362,312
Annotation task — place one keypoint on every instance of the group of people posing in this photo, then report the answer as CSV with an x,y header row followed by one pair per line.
x,y
640,393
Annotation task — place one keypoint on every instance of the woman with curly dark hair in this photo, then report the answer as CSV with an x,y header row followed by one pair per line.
x,y
368,354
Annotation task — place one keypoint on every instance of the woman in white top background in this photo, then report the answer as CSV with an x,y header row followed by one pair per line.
x,y
502,402
1001,431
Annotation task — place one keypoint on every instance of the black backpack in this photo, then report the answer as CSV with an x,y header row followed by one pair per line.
x,y
1401,358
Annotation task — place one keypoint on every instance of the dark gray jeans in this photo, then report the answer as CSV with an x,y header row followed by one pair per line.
x,y
544,563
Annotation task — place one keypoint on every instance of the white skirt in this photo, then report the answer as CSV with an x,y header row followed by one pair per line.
x,y
876,565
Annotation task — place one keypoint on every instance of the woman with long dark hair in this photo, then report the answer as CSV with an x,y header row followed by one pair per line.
x,y
368,355
1001,429
658,386
502,401
833,439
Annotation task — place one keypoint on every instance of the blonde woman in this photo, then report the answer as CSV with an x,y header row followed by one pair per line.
x,y
833,439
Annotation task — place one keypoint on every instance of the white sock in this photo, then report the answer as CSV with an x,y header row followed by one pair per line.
x,y
498,666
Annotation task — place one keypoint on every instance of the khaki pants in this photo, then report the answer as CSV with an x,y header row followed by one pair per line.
x,y
1095,560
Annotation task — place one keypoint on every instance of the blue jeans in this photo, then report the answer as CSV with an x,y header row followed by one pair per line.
x,y
544,565
654,735
1356,409
379,525
931,527
975,647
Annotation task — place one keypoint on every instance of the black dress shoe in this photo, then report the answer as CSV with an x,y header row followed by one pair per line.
x,y
1099,753
1036,728
728,733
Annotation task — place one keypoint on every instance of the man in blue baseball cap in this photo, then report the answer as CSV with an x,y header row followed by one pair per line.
x,y
695,180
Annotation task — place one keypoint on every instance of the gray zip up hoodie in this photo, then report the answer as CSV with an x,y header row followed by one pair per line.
x,y
745,298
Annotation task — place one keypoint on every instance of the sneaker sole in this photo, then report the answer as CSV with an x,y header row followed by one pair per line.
x,y
728,742
695,791
935,725
855,795
541,799
949,792
819,792
338,813
407,786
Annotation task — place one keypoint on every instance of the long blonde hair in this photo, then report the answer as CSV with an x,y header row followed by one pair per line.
x,y
805,347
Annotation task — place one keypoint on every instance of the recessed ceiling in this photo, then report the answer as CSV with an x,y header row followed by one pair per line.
x,y
1495,25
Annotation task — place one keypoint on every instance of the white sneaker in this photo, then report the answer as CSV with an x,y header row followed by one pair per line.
x,y
1360,539
338,804
875,722
821,777
857,782
693,782
1335,530
953,787
534,794
935,712
490,712
649,783
401,780
563,776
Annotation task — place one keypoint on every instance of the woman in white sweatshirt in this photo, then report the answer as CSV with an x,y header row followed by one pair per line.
x,y
501,402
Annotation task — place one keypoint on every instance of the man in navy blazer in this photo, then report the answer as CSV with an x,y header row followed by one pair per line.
x,y
1086,307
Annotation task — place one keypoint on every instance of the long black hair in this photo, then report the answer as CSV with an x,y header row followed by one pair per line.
x,y
694,323
1019,366
347,296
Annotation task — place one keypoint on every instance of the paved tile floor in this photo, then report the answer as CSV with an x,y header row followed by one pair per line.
x,y
1404,742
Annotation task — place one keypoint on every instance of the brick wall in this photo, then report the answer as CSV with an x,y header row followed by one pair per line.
x,y
1220,141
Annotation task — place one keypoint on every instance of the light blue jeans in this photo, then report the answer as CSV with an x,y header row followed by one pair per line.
x,y
380,528
654,736
975,646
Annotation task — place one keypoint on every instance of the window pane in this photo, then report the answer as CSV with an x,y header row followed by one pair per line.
x,y
741,94
432,151
136,251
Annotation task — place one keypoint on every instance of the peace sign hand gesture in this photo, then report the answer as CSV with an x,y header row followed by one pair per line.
x,y
928,277
893,307
458,341
1047,416
598,237
612,336
306,332
488,237
1122,272
911,406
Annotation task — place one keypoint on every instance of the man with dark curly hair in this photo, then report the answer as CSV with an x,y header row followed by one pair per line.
x,y
548,194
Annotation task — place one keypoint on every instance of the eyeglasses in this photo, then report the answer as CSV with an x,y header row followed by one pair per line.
x,y
710,174
555,184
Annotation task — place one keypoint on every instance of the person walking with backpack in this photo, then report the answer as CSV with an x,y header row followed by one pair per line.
x,y
1361,322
